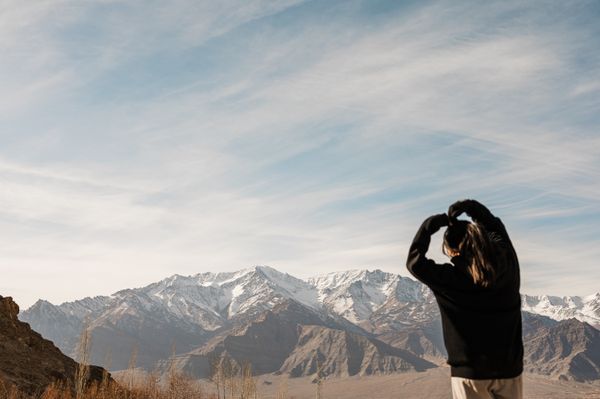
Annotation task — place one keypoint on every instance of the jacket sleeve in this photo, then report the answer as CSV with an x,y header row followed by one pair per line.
x,y
436,276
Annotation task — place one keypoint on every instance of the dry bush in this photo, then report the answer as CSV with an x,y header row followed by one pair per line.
x,y
240,385
247,383
180,386
231,380
83,362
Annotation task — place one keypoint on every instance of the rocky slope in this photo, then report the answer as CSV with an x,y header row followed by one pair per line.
x,y
340,353
29,361
569,350
265,342
291,338
424,340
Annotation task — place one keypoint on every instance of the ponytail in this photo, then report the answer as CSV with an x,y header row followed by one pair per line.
x,y
476,243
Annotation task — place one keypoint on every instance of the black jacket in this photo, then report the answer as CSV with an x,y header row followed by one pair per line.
x,y
482,326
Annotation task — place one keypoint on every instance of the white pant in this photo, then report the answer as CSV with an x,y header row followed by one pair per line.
x,y
507,388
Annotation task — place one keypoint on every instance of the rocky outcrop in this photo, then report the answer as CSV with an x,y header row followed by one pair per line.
x,y
27,360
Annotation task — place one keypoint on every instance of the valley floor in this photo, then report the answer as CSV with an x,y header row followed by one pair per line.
x,y
432,384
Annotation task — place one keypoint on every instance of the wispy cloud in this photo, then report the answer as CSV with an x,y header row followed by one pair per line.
x,y
139,141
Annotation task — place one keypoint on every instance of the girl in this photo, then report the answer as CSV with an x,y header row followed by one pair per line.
x,y
478,297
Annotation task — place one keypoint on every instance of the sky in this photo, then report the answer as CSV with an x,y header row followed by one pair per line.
x,y
139,139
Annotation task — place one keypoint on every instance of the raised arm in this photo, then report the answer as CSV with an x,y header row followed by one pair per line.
x,y
480,215
432,274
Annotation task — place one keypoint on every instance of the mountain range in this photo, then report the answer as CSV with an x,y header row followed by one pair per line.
x,y
356,322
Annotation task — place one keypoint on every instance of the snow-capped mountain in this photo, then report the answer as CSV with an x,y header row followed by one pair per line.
x,y
179,311
185,313
582,308
357,294
205,299
211,299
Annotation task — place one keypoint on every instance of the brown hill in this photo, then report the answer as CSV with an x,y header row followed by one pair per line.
x,y
29,361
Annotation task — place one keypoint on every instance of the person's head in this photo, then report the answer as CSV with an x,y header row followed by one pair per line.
x,y
472,242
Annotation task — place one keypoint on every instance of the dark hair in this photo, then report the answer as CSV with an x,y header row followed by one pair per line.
x,y
472,240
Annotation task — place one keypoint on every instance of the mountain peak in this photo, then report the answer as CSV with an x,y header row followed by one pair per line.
x,y
349,276
357,294
266,269
41,303
592,297
273,274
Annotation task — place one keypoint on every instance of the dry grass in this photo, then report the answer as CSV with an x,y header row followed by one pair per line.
x,y
236,383
177,386
229,381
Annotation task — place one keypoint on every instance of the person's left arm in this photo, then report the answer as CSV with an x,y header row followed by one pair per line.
x,y
434,275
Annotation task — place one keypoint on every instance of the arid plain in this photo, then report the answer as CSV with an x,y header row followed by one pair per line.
x,y
431,384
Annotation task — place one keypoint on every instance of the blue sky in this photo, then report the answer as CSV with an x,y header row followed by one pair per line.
x,y
140,139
